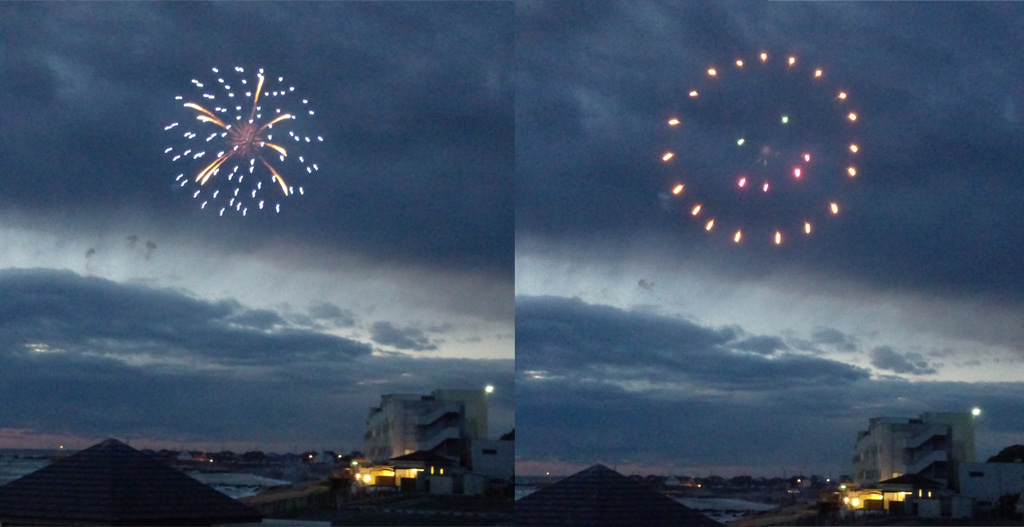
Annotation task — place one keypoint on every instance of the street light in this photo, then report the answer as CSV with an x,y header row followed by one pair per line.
x,y
976,411
489,389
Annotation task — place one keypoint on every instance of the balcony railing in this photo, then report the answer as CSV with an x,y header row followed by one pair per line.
x,y
919,462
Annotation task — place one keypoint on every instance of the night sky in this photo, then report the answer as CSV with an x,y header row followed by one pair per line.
x,y
126,310
645,342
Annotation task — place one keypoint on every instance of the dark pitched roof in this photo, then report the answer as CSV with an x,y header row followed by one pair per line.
x,y
914,480
111,483
423,456
600,496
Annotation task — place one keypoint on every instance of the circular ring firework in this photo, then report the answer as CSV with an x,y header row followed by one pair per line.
x,y
231,145
765,147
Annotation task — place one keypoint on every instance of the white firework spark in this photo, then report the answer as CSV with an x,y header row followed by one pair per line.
x,y
230,146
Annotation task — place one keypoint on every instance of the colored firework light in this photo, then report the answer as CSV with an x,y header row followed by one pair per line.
x,y
229,146
764,148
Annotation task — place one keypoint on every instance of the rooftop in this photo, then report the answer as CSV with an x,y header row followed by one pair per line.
x,y
111,483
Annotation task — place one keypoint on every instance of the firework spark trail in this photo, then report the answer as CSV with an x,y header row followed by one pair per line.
x,y
782,123
244,138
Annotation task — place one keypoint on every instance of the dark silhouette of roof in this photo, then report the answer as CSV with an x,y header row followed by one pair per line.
x,y
424,456
111,483
914,480
600,496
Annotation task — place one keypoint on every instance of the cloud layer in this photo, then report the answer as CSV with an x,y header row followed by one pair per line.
x,y
597,383
90,357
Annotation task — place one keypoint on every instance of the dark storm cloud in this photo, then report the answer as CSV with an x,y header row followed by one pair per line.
x,y
587,422
88,356
764,345
886,358
66,311
414,101
569,337
594,383
936,87
811,429
333,314
313,404
407,338
834,338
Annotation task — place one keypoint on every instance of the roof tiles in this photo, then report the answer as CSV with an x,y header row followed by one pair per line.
x,y
111,483
599,496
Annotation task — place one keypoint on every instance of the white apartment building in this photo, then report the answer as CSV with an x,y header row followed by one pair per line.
x,y
441,422
933,445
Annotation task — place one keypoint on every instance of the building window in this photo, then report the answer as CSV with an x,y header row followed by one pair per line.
x,y
491,451
977,474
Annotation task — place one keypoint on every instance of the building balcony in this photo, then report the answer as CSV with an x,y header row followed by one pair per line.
x,y
927,434
429,442
921,461
442,412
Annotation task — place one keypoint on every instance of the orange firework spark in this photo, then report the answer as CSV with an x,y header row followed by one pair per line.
x,y
783,166
246,138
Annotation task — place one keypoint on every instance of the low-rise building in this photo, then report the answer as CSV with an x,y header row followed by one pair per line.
x,y
985,483
493,459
